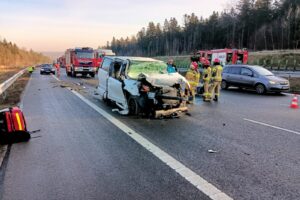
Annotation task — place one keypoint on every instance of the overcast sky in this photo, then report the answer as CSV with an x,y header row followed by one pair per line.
x,y
55,25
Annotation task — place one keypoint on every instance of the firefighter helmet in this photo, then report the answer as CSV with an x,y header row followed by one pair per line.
x,y
217,61
195,65
206,62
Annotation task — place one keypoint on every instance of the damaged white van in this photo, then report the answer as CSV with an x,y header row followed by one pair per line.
x,y
143,85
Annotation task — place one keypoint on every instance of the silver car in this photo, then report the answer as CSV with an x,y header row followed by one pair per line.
x,y
253,77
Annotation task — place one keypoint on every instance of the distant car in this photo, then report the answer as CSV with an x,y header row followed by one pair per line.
x,y
143,85
47,69
253,77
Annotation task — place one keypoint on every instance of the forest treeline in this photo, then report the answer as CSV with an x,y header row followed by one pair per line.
x,y
12,55
252,24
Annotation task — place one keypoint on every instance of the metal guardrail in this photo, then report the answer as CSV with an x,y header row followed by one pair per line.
x,y
6,84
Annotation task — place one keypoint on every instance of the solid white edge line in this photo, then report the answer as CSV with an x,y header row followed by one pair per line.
x,y
3,153
200,183
269,125
55,77
287,94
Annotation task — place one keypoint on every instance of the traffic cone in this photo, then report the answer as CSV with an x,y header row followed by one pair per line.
x,y
294,103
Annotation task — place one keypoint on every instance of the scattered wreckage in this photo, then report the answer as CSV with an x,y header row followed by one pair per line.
x,y
143,85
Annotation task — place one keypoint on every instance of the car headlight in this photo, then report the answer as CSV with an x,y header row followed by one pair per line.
x,y
272,82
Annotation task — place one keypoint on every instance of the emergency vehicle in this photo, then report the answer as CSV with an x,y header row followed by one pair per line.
x,y
80,61
226,56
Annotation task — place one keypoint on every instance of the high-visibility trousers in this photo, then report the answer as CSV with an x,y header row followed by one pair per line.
x,y
206,94
215,88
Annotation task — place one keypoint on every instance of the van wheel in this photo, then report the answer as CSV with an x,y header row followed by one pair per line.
x,y
260,89
133,106
224,85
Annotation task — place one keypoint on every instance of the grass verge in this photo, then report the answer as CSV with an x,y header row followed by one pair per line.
x,y
7,72
12,96
295,85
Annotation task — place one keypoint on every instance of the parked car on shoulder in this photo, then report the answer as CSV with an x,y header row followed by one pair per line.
x,y
47,69
253,77
143,85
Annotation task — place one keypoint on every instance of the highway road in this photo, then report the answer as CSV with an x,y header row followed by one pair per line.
x,y
84,152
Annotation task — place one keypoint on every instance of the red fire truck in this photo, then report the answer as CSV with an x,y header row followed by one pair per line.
x,y
226,56
100,53
80,61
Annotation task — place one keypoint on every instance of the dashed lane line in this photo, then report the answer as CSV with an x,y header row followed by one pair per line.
x,y
200,183
272,126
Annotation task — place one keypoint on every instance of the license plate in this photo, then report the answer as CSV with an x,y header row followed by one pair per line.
x,y
285,87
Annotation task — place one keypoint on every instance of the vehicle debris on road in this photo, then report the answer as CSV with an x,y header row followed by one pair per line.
x,y
212,151
13,126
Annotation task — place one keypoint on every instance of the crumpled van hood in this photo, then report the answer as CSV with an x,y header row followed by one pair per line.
x,y
160,80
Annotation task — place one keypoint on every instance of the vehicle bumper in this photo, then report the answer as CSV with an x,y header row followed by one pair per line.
x,y
48,72
86,70
162,113
278,88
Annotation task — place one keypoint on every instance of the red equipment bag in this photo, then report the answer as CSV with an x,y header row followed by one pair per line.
x,y
13,126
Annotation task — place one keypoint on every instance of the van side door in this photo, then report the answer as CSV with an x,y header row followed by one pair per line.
x,y
103,76
115,85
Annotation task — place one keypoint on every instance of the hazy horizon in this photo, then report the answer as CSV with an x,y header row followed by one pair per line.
x,y
53,26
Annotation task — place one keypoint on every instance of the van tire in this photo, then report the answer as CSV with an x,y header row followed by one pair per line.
x,y
133,106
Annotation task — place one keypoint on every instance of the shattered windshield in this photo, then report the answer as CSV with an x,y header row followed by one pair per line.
x,y
146,67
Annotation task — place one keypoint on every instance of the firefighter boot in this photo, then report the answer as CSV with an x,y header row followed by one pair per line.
x,y
216,98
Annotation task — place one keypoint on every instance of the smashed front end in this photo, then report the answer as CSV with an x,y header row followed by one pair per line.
x,y
163,95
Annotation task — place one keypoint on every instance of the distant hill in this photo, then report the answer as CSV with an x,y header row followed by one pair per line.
x,y
13,56
53,54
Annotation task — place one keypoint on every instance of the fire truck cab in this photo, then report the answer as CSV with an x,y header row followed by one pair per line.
x,y
80,61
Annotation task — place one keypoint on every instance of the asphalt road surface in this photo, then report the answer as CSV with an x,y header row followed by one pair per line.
x,y
82,155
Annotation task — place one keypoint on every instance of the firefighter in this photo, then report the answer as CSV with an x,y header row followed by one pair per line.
x,y
206,79
193,77
30,69
216,79
56,65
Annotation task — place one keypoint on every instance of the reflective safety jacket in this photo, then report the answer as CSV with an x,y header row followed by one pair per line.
x,y
217,73
30,69
207,74
193,77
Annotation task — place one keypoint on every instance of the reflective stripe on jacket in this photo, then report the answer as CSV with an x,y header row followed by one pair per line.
x,y
217,73
207,74
193,77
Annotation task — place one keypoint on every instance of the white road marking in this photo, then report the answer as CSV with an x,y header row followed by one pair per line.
x,y
287,94
55,77
3,150
286,105
269,125
196,180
